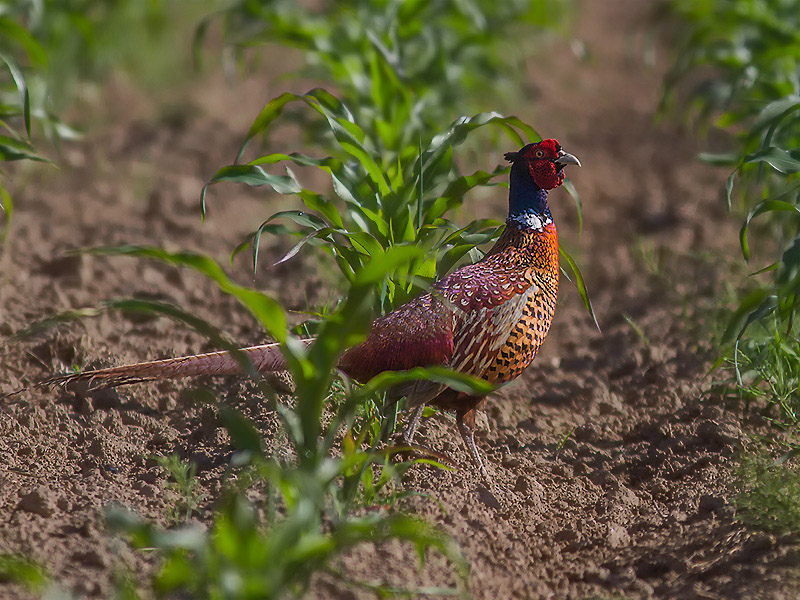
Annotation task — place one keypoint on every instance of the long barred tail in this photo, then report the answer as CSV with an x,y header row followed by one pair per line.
x,y
265,358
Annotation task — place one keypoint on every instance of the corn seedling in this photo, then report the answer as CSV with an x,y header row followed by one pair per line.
x,y
767,490
184,485
402,207
767,370
748,55
400,69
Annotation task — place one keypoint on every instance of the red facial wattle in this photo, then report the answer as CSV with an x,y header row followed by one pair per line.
x,y
546,174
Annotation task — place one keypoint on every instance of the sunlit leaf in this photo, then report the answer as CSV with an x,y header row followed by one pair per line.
x,y
579,283
785,161
267,310
762,207
753,307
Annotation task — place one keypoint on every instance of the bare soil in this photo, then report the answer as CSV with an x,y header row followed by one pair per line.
x,y
612,463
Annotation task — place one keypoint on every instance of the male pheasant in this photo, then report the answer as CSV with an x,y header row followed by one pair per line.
x,y
487,319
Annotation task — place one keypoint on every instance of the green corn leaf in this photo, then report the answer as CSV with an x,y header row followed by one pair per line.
x,y
380,265
254,241
349,136
729,188
325,232
789,273
271,111
267,310
761,208
7,207
301,218
573,192
244,434
364,243
453,195
367,219
579,283
257,245
12,148
24,572
322,205
461,382
479,231
10,30
22,88
450,258
251,175
338,171
299,159
255,176
366,160
785,161
443,143
771,267
720,159
754,307
776,110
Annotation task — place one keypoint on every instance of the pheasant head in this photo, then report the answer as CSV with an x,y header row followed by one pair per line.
x,y
543,162
535,169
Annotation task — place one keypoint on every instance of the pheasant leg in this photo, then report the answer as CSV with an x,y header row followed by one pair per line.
x,y
466,427
407,438
411,428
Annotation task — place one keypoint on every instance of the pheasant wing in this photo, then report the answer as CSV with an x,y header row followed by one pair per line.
x,y
489,302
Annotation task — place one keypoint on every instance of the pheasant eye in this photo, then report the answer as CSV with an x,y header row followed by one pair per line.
x,y
539,153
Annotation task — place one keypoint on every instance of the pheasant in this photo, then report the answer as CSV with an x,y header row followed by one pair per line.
x,y
487,319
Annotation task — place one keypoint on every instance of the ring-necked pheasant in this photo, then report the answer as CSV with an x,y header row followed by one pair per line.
x,y
487,319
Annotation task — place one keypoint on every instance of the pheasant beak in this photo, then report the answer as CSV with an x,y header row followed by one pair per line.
x,y
566,159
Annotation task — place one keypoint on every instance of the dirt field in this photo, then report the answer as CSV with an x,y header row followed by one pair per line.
x,y
613,464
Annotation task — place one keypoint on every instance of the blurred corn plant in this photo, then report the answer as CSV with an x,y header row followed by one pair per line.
x,y
742,58
329,488
85,40
401,66
767,485
23,572
48,48
17,48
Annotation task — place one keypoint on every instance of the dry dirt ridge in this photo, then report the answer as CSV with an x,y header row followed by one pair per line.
x,y
635,502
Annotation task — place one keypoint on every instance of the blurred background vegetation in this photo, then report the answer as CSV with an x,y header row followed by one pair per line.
x,y
738,76
55,53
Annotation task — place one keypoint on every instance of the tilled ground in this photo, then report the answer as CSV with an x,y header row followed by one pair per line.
x,y
611,465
